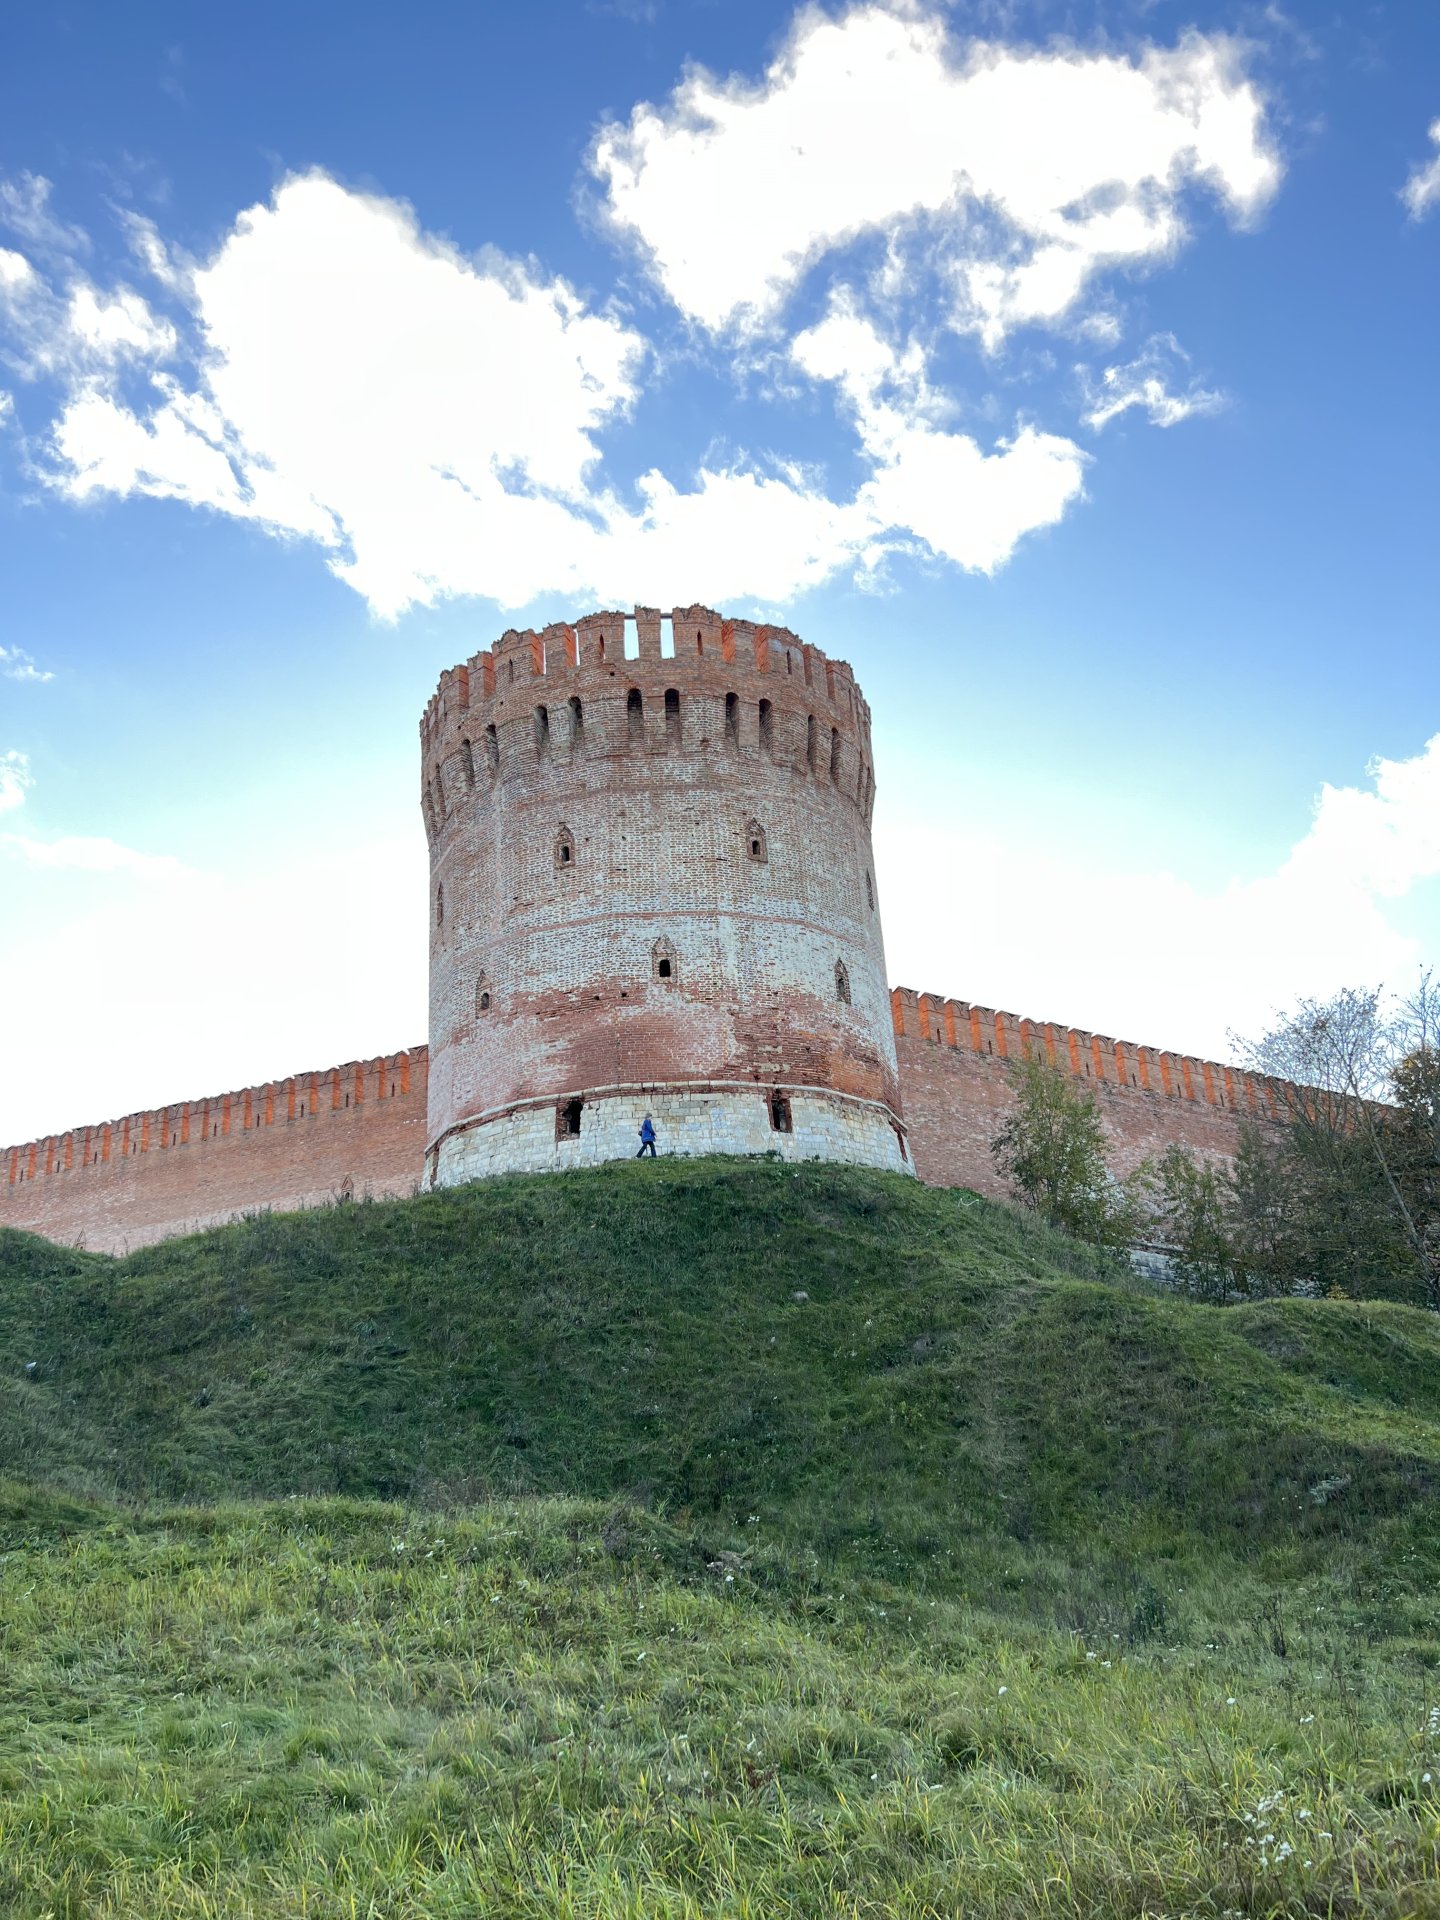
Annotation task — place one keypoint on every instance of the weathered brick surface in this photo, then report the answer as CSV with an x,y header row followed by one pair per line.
x,y
651,873
955,1062
297,1142
589,815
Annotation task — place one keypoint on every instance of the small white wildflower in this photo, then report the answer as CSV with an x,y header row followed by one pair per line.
x,y
1306,1718
1107,1663
1304,1813
1425,1779
640,1656
1230,1700
1324,1836
1004,1689
729,1579
1092,1656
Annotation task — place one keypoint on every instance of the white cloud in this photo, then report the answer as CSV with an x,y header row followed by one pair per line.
x,y
967,505
25,209
15,779
15,662
218,1012
1152,957
122,327
16,272
436,424
1421,191
1036,168
1145,382
77,853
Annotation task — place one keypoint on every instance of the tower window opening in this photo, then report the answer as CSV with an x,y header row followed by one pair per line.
x,y
467,761
664,963
789,661
699,642
842,982
492,749
564,848
567,1119
440,905
635,715
732,719
835,755
542,731
756,843
600,648
512,672
577,722
672,716
869,891
767,727
810,742
780,1116
482,993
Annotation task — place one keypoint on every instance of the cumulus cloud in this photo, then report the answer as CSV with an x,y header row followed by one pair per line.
x,y
1035,169
436,424
1421,192
967,505
15,779
15,662
1152,957
1145,382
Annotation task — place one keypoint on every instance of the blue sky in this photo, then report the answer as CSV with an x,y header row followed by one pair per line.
x,y
1068,369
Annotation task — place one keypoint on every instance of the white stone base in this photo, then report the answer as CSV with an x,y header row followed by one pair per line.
x,y
823,1127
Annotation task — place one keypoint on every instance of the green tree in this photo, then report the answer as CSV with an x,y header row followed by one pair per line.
x,y
1197,1218
1051,1150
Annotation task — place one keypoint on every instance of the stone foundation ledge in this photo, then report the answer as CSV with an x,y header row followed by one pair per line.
x,y
688,1122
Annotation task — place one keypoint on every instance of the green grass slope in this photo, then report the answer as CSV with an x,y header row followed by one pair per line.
x,y
706,1539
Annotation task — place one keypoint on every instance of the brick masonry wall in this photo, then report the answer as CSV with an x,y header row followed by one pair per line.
x,y
123,1184
955,1062
298,1142
650,871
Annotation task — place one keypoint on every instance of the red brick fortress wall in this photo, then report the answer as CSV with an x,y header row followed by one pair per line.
x,y
297,1142
652,886
955,1062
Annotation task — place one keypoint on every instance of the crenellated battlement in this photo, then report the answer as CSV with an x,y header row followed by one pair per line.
x,y
222,1117
600,645
615,684
1122,1064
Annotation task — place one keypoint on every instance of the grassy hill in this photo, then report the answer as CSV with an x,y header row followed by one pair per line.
x,y
700,1539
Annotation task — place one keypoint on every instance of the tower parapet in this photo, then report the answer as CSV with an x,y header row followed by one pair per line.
x,y
652,889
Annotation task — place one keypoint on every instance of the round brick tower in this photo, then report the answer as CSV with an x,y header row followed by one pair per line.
x,y
652,891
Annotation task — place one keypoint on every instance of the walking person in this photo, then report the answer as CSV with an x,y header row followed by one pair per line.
x,y
647,1138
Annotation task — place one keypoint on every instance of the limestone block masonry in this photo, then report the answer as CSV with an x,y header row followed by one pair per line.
x,y
652,889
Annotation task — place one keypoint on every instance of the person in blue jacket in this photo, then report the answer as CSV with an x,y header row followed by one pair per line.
x,y
647,1138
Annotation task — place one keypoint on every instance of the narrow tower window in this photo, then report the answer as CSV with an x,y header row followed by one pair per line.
x,y
810,742
482,993
663,962
699,642
564,847
672,716
756,844
869,892
842,982
467,761
577,723
635,715
780,1118
767,727
492,751
567,1120
440,905
542,731
732,719
835,755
